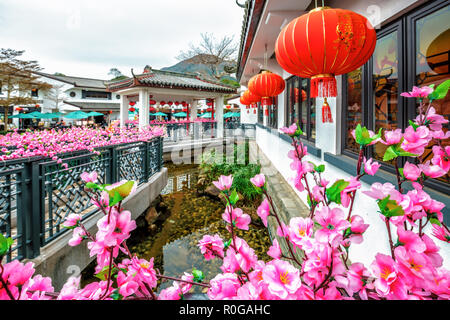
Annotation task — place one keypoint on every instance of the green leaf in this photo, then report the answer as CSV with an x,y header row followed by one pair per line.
x,y
390,208
320,169
234,197
362,135
116,295
441,91
103,274
198,275
390,154
226,244
91,185
5,244
435,221
334,192
115,199
413,124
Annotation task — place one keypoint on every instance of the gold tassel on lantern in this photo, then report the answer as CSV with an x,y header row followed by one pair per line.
x,y
326,112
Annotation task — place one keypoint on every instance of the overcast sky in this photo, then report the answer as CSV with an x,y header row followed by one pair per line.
x,y
88,37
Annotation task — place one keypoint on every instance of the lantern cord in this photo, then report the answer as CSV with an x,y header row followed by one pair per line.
x,y
265,57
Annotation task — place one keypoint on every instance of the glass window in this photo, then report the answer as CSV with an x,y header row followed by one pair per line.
x,y
385,87
432,52
273,113
299,107
260,113
354,108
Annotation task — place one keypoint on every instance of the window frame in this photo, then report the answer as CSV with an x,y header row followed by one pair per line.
x,y
307,134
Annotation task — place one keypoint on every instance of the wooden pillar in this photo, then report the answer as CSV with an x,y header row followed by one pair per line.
x,y
219,115
123,109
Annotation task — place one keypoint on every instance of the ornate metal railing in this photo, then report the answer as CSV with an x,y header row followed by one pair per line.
x,y
38,194
205,130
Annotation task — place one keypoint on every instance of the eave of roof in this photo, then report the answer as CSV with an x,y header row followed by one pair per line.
x,y
171,80
250,24
72,80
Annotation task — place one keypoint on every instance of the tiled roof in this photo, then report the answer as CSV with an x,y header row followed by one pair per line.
x,y
169,79
76,81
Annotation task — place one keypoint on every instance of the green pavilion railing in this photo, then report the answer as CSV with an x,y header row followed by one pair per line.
x,y
36,195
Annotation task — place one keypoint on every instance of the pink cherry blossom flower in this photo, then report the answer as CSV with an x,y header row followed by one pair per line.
x,y
259,180
89,177
416,140
318,193
417,92
411,171
434,120
72,220
224,287
392,137
441,233
289,130
224,182
346,194
410,240
441,157
300,229
387,282
432,171
243,255
77,237
333,223
371,168
171,293
274,250
358,227
237,217
282,278
211,246
263,211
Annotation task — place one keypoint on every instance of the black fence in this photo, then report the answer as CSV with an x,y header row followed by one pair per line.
x,y
38,194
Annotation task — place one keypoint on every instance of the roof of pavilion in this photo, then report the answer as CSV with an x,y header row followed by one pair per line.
x,y
172,80
76,81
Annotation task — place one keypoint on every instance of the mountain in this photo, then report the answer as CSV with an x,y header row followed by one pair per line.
x,y
194,65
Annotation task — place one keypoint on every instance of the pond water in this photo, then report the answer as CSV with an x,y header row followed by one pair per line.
x,y
189,214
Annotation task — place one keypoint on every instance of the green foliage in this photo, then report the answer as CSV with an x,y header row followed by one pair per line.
x,y
334,192
363,137
230,82
395,151
390,208
198,275
5,244
216,165
441,91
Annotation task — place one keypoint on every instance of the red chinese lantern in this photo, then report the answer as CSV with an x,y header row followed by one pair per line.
x,y
185,110
251,97
37,106
266,85
322,44
243,100
152,109
132,109
152,102
170,103
254,111
177,103
132,103
209,103
110,111
19,109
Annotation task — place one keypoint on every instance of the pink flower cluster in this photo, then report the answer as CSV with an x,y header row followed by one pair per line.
x,y
52,143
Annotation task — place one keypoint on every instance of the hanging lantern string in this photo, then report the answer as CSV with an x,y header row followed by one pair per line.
x,y
265,57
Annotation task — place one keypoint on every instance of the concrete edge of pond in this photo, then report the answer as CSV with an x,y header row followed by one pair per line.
x,y
59,261
286,202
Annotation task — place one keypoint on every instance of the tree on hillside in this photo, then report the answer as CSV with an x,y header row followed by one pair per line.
x,y
213,53
117,75
17,80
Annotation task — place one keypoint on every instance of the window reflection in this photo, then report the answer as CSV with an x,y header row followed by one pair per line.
x,y
385,87
354,107
433,61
